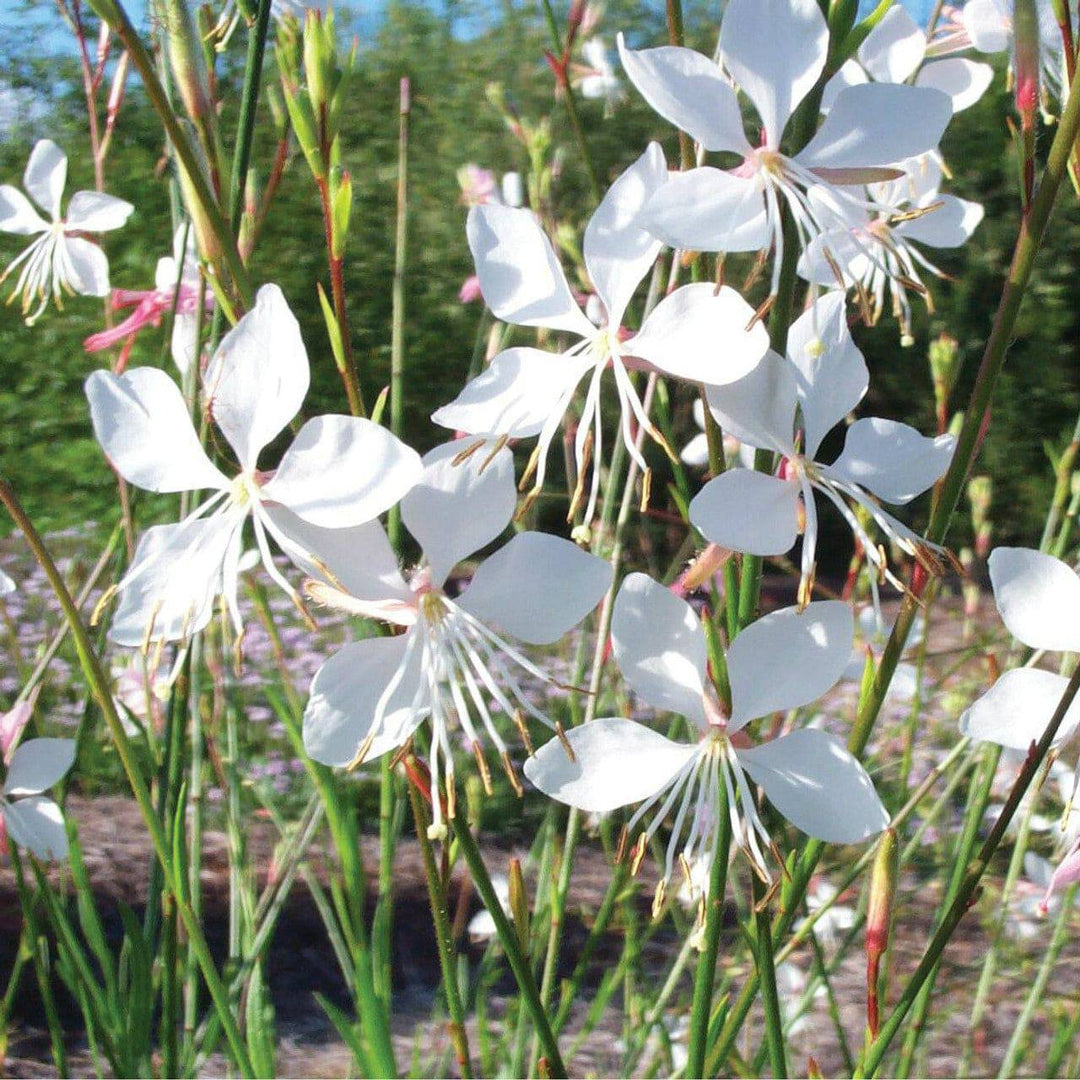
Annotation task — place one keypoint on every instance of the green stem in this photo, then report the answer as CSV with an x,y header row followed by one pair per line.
x,y
512,947
397,331
443,937
245,125
766,969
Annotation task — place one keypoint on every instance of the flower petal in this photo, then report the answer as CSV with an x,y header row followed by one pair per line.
x,y
87,268
37,765
345,694
832,375
1016,710
616,762
747,511
892,460
537,587
618,251
454,510
988,25
94,211
878,124
950,225
788,658
965,81
257,379
759,408
17,215
812,779
659,647
688,90
515,395
359,558
144,427
850,74
37,824
700,333
520,275
169,590
707,209
894,49
1038,597
45,176
342,471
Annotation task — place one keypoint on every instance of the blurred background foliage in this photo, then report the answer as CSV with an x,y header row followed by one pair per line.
x,y
452,55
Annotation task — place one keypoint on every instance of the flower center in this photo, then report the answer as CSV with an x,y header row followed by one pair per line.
x,y
244,490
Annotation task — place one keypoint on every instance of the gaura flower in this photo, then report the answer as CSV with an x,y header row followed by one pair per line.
x,y
775,50
27,816
176,288
697,333
598,80
454,656
783,661
60,259
1037,597
824,377
894,51
339,471
696,452
879,252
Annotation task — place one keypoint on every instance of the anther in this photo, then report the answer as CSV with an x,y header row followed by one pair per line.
x,y
565,742
646,489
511,774
620,847
500,443
519,722
99,607
638,855
482,765
362,752
658,898
463,455
530,468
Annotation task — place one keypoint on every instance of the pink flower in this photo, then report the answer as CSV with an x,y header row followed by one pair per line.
x,y
470,290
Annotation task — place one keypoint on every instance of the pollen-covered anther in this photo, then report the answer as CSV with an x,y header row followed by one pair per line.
x,y
463,455
361,753
620,847
102,604
640,847
565,741
658,898
511,774
482,766
646,489
500,443
519,722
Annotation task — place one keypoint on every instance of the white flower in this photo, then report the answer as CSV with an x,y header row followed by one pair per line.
x,y
339,471
783,661
824,378
878,251
696,333
775,50
989,26
1037,597
599,80
29,818
894,51
482,925
452,658
696,452
60,260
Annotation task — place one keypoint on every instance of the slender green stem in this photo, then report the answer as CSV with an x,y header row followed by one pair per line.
x,y
766,970
519,962
397,329
705,974
443,937
245,124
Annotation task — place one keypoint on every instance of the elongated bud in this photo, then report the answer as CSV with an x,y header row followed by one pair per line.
x,y
519,903
318,59
187,60
1026,60
879,914
944,367
980,491
341,207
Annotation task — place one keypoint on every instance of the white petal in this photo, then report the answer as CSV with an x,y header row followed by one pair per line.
x,y
988,25
748,511
37,824
94,211
788,658
87,269
1016,710
1038,597
259,375
832,375
696,452
537,587
950,225
359,558
515,395
454,510
700,334
45,176
17,215
892,460
812,779
878,124
759,408
659,647
894,48
965,81
342,471
707,209
618,762
775,50
183,344
37,765
618,251
345,694
520,275
688,90
850,74
144,427
173,580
